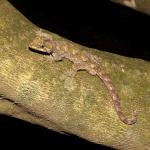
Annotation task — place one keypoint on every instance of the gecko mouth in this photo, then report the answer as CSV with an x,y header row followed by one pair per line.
x,y
40,52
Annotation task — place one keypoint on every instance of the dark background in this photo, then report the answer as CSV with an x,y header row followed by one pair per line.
x,y
103,25
106,26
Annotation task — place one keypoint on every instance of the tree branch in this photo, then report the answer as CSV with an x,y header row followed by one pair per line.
x,y
36,90
139,5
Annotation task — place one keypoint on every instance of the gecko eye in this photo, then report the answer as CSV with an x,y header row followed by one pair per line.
x,y
42,46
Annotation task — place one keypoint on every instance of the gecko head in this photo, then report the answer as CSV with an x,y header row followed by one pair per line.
x,y
40,44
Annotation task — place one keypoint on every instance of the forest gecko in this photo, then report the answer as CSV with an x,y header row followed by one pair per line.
x,y
82,60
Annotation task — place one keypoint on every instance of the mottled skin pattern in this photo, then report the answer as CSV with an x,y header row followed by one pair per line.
x,y
82,60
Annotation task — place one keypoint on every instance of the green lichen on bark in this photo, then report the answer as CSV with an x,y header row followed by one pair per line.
x,y
80,105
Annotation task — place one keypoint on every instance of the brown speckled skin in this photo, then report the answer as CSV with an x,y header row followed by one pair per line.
x,y
82,60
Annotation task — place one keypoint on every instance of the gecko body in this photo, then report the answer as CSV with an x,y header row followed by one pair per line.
x,y
81,60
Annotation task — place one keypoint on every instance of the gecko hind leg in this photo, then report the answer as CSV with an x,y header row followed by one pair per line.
x,y
73,71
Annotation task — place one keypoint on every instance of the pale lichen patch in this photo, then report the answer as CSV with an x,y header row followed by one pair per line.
x,y
6,69
5,65
147,77
25,76
122,66
126,91
31,92
3,25
70,84
78,104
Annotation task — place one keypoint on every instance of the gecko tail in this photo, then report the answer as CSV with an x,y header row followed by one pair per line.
x,y
115,99
127,121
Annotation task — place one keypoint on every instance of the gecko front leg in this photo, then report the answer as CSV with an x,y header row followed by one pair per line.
x,y
73,71
56,56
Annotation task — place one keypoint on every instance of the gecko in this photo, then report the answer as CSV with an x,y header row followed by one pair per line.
x,y
82,60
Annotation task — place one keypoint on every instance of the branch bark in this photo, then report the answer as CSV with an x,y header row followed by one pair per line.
x,y
139,5
38,91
